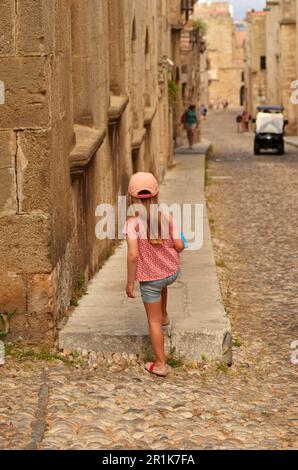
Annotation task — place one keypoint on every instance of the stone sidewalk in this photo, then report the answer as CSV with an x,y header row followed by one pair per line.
x,y
107,321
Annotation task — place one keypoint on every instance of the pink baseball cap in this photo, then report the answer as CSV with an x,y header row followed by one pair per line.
x,y
143,182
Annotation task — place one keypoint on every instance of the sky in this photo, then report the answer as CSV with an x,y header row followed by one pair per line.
x,y
242,6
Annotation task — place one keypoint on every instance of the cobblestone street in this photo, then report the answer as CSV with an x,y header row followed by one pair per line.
x,y
253,206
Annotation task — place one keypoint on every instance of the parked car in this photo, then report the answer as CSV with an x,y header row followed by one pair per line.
x,y
270,125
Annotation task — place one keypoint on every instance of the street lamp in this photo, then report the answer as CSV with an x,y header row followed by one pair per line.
x,y
187,7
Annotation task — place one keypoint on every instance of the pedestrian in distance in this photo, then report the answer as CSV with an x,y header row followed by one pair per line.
x,y
244,121
191,123
204,112
154,243
250,121
239,121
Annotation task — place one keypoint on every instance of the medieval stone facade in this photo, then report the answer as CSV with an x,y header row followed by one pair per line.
x,y
83,104
256,61
288,60
187,49
225,48
272,58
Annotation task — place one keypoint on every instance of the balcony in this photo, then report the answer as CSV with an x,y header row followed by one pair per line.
x,y
179,22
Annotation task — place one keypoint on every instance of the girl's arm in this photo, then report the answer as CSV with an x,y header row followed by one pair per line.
x,y
177,240
132,259
178,244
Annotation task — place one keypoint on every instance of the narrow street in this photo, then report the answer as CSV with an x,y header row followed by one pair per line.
x,y
255,212
252,405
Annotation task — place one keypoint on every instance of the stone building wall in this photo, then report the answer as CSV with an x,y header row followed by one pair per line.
x,y
256,61
225,69
273,51
190,77
185,72
84,104
177,26
204,78
273,34
288,62
36,122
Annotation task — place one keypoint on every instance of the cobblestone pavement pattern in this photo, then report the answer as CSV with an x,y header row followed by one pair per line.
x,y
253,206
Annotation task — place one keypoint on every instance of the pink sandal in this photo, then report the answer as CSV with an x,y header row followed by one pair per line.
x,y
150,366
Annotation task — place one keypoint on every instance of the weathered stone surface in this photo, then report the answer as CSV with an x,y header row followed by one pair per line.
x,y
41,291
272,36
26,99
8,145
8,198
24,243
12,293
225,54
34,170
7,22
34,34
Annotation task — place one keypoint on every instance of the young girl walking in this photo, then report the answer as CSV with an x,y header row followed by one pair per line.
x,y
153,251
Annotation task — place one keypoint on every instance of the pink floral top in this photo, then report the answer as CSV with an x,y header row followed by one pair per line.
x,y
155,261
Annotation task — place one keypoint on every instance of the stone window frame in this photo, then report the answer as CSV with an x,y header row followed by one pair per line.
x,y
87,138
263,62
147,65
118,105
134,36
116,57
82,113
147,41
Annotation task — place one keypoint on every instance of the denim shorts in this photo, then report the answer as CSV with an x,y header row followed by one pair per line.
x,y
151,290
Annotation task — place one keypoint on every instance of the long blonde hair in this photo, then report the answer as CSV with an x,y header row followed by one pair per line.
x,y
147,203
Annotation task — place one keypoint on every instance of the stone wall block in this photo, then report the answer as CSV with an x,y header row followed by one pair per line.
x,y
34,31
12,293
34,170
25,243
7,17
8,145
8,198
26,97
41,294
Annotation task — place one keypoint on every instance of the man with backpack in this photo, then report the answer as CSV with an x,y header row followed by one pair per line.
x,y
191,123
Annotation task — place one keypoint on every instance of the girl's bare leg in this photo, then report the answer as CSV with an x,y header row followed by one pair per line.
x,y
191,139
154,316
164,299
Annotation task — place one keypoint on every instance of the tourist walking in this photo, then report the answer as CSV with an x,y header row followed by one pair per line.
x,y
191,123
204,112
